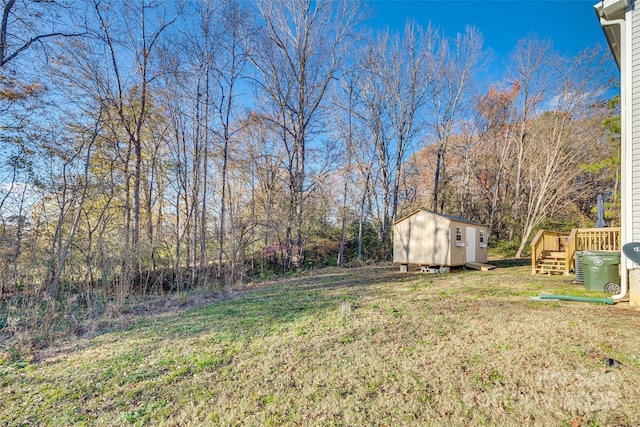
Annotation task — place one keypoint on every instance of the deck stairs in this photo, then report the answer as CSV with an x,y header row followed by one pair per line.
x,y
554,252
551,262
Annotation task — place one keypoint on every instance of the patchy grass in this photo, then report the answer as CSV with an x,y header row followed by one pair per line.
x,y
366,346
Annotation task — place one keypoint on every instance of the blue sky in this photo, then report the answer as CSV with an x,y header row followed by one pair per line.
x,y
571,24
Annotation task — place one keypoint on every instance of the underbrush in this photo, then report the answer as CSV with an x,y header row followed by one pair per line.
x,y
29,324
503,248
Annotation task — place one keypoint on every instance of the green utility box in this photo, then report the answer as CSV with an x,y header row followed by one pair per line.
x,y
599,269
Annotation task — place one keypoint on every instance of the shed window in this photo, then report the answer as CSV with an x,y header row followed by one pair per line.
x,y
459,236
481,239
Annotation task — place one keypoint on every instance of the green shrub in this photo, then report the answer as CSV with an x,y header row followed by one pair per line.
x,y
503,248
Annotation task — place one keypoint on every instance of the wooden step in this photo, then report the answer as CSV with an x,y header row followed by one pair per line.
x,y
551,263
548,263
550,272
547,268
479,266
554,254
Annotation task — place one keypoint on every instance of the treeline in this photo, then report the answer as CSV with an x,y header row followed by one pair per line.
x,y
157,146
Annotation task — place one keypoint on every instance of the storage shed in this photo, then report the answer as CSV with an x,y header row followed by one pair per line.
x,y
431,239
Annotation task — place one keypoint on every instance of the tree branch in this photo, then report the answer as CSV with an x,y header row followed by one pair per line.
x,y
5,59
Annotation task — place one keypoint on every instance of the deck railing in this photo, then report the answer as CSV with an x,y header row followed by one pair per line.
x,y
570,250
580,239
592,239
598,239
546,241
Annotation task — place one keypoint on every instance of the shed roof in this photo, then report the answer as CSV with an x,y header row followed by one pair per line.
x,y
449,217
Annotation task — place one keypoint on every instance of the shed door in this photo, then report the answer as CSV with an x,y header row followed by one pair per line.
x,y
471,245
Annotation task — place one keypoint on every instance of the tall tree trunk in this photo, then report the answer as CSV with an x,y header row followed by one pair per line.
x,y
343,220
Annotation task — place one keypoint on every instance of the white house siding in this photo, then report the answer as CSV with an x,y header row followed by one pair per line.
x,y
621,24
633,18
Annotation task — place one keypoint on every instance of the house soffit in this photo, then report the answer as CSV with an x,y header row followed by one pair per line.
x,y
611,10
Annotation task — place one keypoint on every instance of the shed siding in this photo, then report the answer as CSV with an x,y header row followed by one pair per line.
x,y
457,252
421,239
634,221
481,252
429,239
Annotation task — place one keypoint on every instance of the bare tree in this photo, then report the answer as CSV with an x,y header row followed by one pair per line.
x,y
394,77
130,103
553,140
532,71
344,98
452,96
300,49
408,79
494,116
230,68
32,22
72,198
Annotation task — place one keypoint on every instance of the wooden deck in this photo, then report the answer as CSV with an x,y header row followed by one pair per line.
x,y
554,252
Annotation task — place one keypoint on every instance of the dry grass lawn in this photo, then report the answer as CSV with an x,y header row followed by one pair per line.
x,y
352,347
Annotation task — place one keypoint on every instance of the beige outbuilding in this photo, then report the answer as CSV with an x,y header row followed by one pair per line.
x,y
431,239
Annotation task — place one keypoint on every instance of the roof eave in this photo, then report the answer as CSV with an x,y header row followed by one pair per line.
x,y
609,10
447,217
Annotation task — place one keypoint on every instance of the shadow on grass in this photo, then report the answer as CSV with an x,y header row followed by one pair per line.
x,y
267,310
510,262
